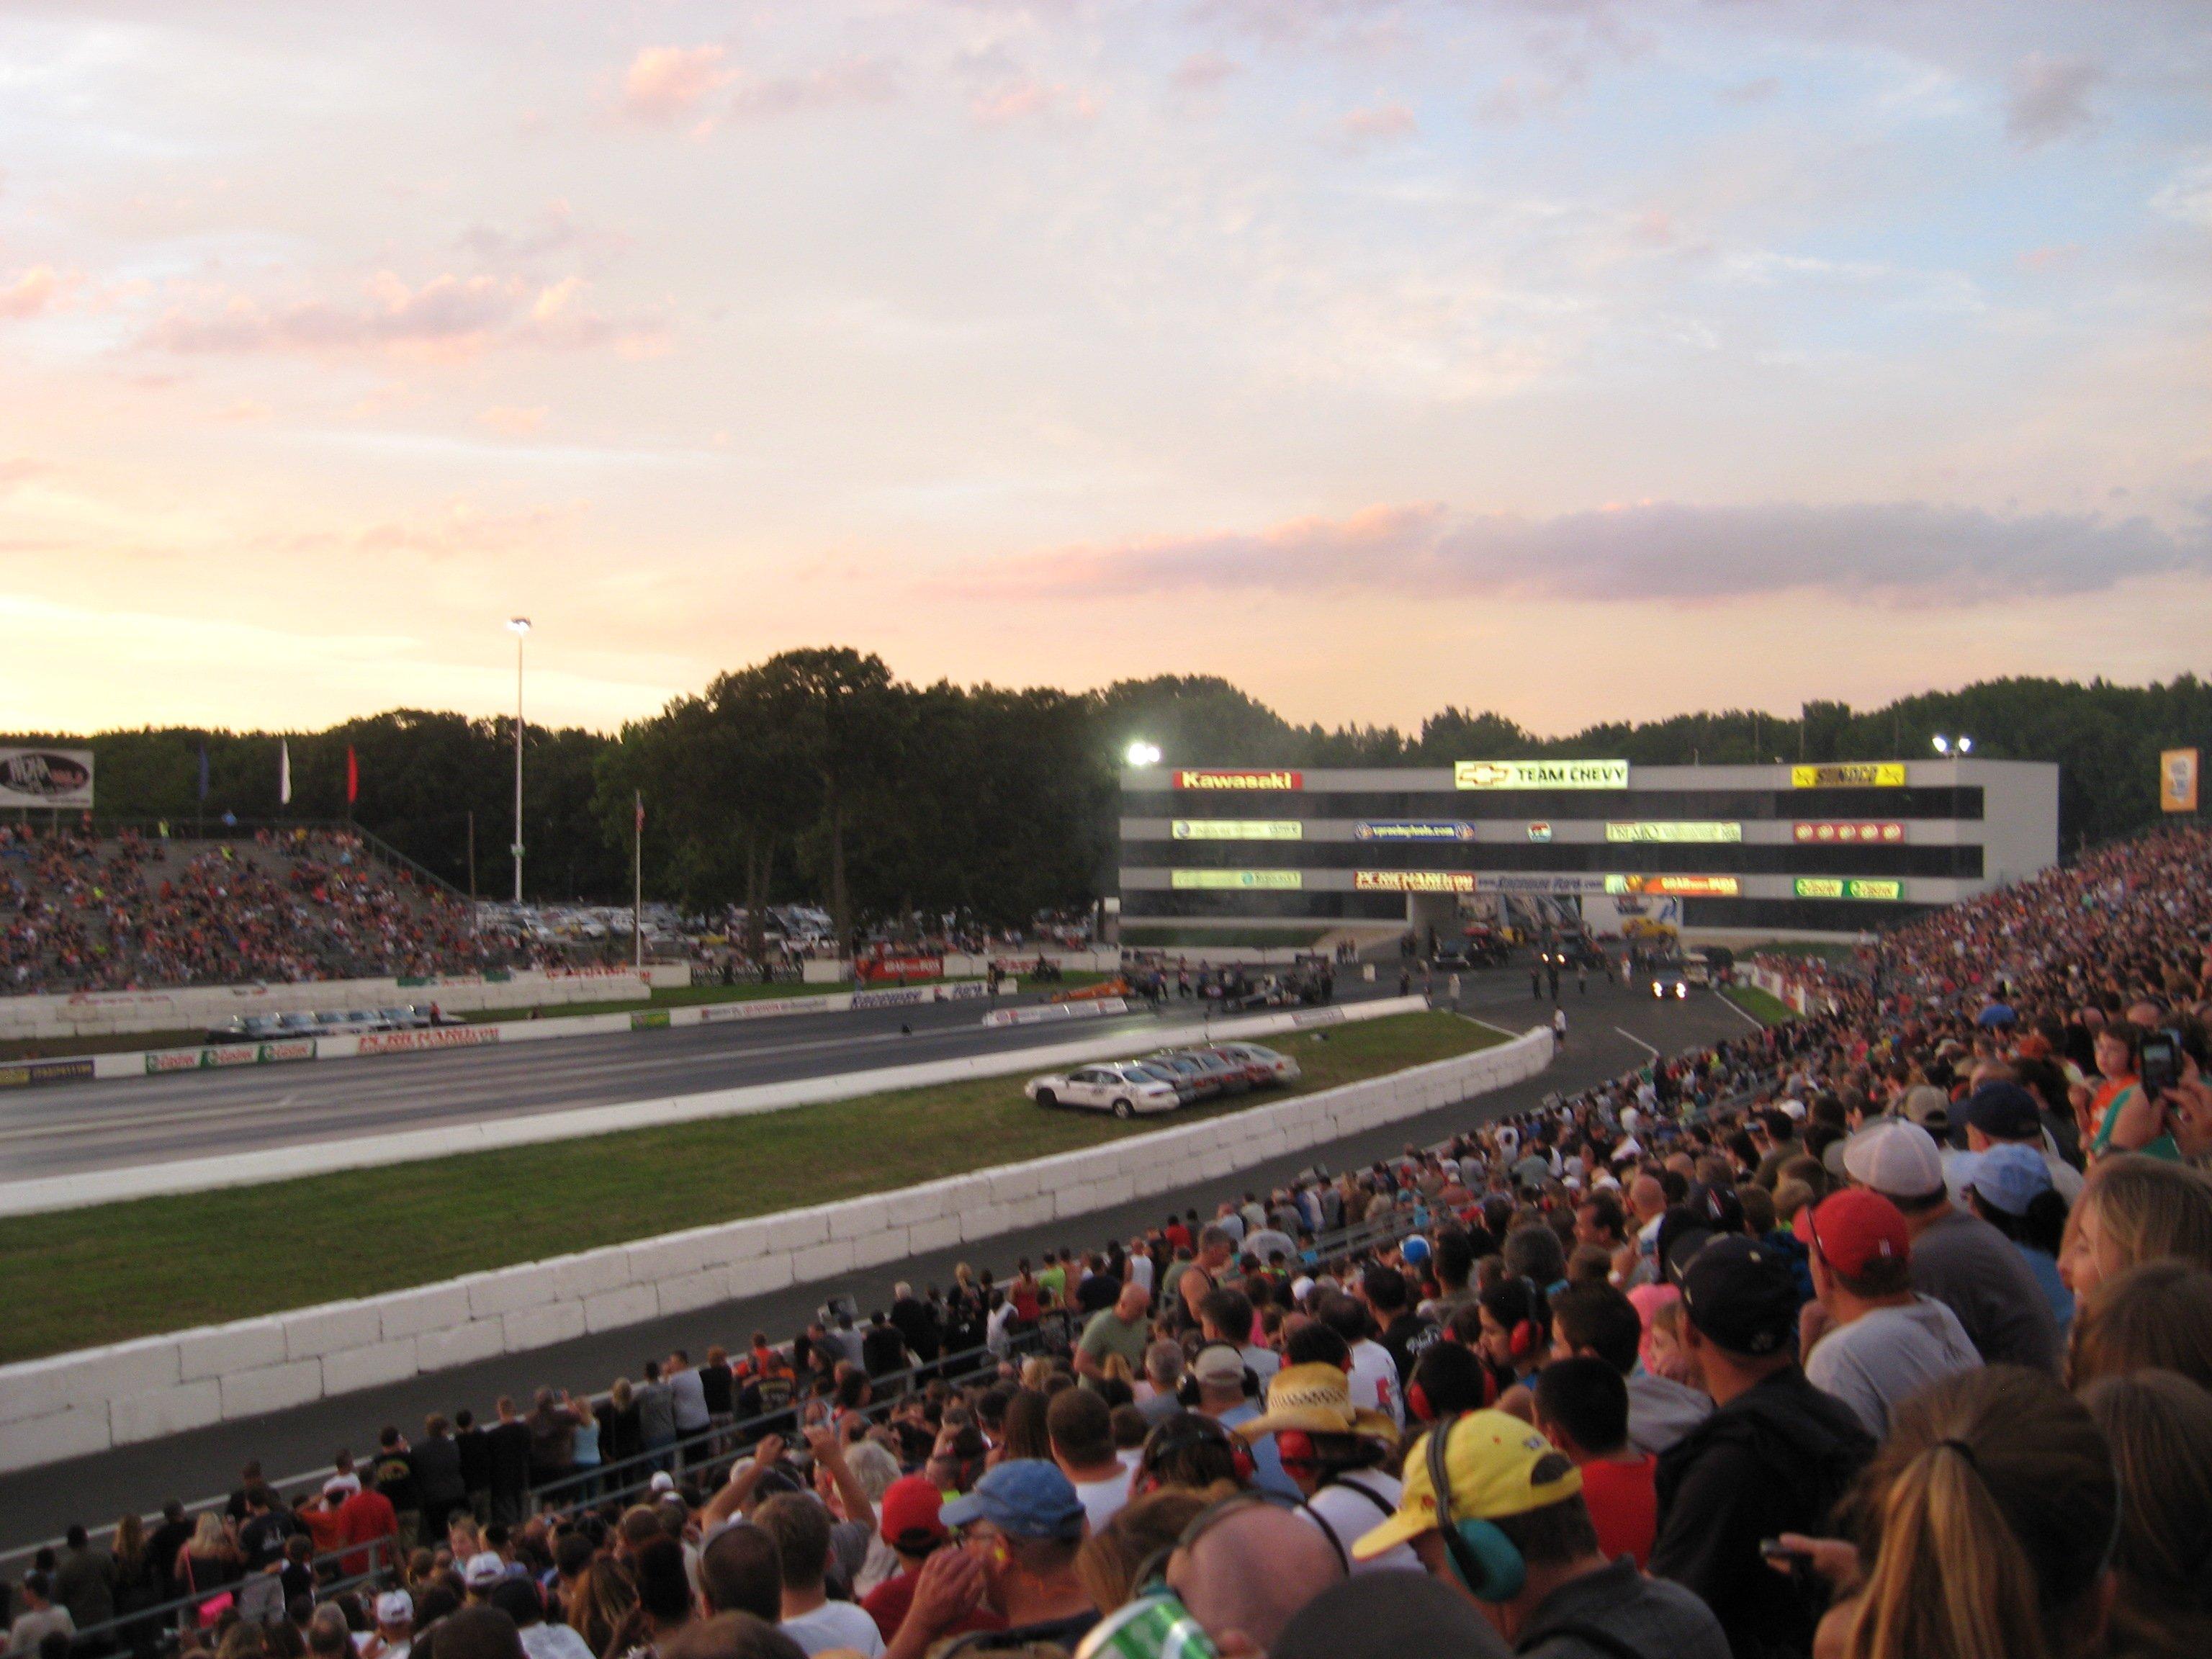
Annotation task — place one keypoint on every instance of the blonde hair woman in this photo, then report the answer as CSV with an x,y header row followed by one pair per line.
x,y
2135,1210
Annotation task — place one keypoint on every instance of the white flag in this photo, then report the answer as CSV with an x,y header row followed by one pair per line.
x,y
284,771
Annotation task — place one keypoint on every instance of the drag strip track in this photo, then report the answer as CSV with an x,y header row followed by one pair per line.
x,y
92,1127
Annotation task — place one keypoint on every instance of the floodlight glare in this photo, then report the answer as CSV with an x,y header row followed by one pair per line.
x,y
1143,753
1943,745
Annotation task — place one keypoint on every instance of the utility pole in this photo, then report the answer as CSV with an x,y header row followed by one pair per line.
x,y
519,626
637,886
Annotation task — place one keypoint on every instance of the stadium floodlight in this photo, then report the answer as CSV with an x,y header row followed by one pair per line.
x,y
519,626
1141,753
1943,743
1966,745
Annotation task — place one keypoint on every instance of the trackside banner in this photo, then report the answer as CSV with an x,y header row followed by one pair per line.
x,y
1220,778
1540,775
222,1056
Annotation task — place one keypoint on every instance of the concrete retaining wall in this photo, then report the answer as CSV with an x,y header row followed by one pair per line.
x,y
111,1013
78,1403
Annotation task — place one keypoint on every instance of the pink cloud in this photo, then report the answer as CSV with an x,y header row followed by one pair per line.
x,y
1383,122
1030,100
1202,71
665,82
855,80
513,422
31,293
448,317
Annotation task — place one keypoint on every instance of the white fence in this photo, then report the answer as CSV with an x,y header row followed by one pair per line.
x,y
75,1404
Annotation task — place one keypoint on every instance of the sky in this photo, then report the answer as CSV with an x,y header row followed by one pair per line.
x,y
1578,359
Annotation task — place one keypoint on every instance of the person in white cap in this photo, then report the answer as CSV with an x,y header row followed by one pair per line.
x,y
482,1576
395,1628
1959,1258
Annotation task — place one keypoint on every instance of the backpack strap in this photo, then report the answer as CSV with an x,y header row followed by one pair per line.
x,y
1604,1640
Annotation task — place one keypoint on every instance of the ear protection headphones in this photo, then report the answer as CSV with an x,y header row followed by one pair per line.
x,y
1416,1401
1188,1432
1525,1335
1150,1577
1482,1557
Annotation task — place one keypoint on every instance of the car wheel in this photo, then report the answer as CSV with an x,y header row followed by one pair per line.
x,y
1123,1111
1046,1098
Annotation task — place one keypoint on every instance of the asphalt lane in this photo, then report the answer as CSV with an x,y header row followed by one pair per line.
x,y
1612,1030
74,1128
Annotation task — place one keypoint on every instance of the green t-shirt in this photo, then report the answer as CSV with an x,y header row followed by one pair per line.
x,y
1108,1333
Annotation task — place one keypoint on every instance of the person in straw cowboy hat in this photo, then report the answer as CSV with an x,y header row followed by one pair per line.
x,y
1336,1454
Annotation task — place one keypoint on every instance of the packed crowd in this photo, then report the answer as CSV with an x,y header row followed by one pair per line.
x,y
79,914
1886,1333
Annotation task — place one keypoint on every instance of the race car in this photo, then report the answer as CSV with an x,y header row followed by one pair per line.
x,y
1125,1088
1667,980
1267,1066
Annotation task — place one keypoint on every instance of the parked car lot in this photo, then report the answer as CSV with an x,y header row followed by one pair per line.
x,y
1164,1081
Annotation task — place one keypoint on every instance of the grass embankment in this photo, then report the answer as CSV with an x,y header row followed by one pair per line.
x,y
85,1277
1766,1009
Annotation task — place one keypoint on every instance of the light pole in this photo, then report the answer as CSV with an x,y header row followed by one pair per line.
x,y
1961,747
519,626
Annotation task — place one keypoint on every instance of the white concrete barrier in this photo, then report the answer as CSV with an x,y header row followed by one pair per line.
x,y
76,1192
73,1404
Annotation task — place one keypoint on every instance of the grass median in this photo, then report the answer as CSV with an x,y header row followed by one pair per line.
x,y
1766,1009
80,1277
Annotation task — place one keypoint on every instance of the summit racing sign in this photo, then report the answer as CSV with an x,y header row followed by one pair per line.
x,y
1218,779
1412,881
1871,774
1540,775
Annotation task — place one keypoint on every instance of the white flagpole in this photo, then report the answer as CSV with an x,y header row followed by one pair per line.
x,y
284,771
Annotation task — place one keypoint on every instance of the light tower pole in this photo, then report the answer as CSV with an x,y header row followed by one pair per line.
x,y
519,626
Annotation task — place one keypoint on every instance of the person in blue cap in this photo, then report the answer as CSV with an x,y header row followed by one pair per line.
x,y
2008,1185
1019,1531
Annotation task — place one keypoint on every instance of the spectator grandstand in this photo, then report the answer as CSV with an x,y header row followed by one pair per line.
x,y
1885,1332
138,911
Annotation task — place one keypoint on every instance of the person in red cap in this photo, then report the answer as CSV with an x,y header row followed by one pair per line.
x,y
911,1526
1868,1339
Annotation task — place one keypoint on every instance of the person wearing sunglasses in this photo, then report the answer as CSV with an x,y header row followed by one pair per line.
x,y
1017,1535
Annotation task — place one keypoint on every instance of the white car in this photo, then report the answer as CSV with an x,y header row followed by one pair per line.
x,y
1274,1068
1123,1088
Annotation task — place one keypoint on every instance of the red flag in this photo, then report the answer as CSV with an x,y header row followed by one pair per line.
x,y
353,777
640,813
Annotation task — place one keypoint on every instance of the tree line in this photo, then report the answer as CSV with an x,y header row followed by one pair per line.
x,y
819,776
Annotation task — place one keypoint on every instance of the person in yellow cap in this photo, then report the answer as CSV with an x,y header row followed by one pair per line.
x,y
1333,1452
1495,1512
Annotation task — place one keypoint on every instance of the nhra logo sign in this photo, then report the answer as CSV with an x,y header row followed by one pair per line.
x,y
46,777
1849,834
1227,780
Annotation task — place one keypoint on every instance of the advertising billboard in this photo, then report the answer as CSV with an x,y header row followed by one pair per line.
x,y
1674,833
1675,886
2177,780
1849,834
1858,775
1236,829
1412,829
1836,887
1224,778
1412,881
1540,775
1562,885
46,777
1237,880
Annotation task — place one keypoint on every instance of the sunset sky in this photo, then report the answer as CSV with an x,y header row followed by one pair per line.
x,y
1574,358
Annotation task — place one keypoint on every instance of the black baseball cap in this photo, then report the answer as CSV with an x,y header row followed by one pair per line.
x,y
1742,1295
2002,1111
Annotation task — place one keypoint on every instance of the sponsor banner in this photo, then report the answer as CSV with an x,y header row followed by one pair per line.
x,y
1412,881
1866,775
714,1014
222,1056
905,998
46,777
1849,834
1539,831
1540,775
1676,886
2177,780
1275,881
31,1073
1220,778
437,1036
1237,829
1561,885
1054,1012
898,968
1412,829
1675,834
1834,887
1306,1017
649,1019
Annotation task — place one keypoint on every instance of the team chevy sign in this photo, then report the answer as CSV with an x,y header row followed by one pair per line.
x,y
1540,775
46,777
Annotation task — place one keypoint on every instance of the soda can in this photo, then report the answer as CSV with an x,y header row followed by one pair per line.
x,y
1151,1627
